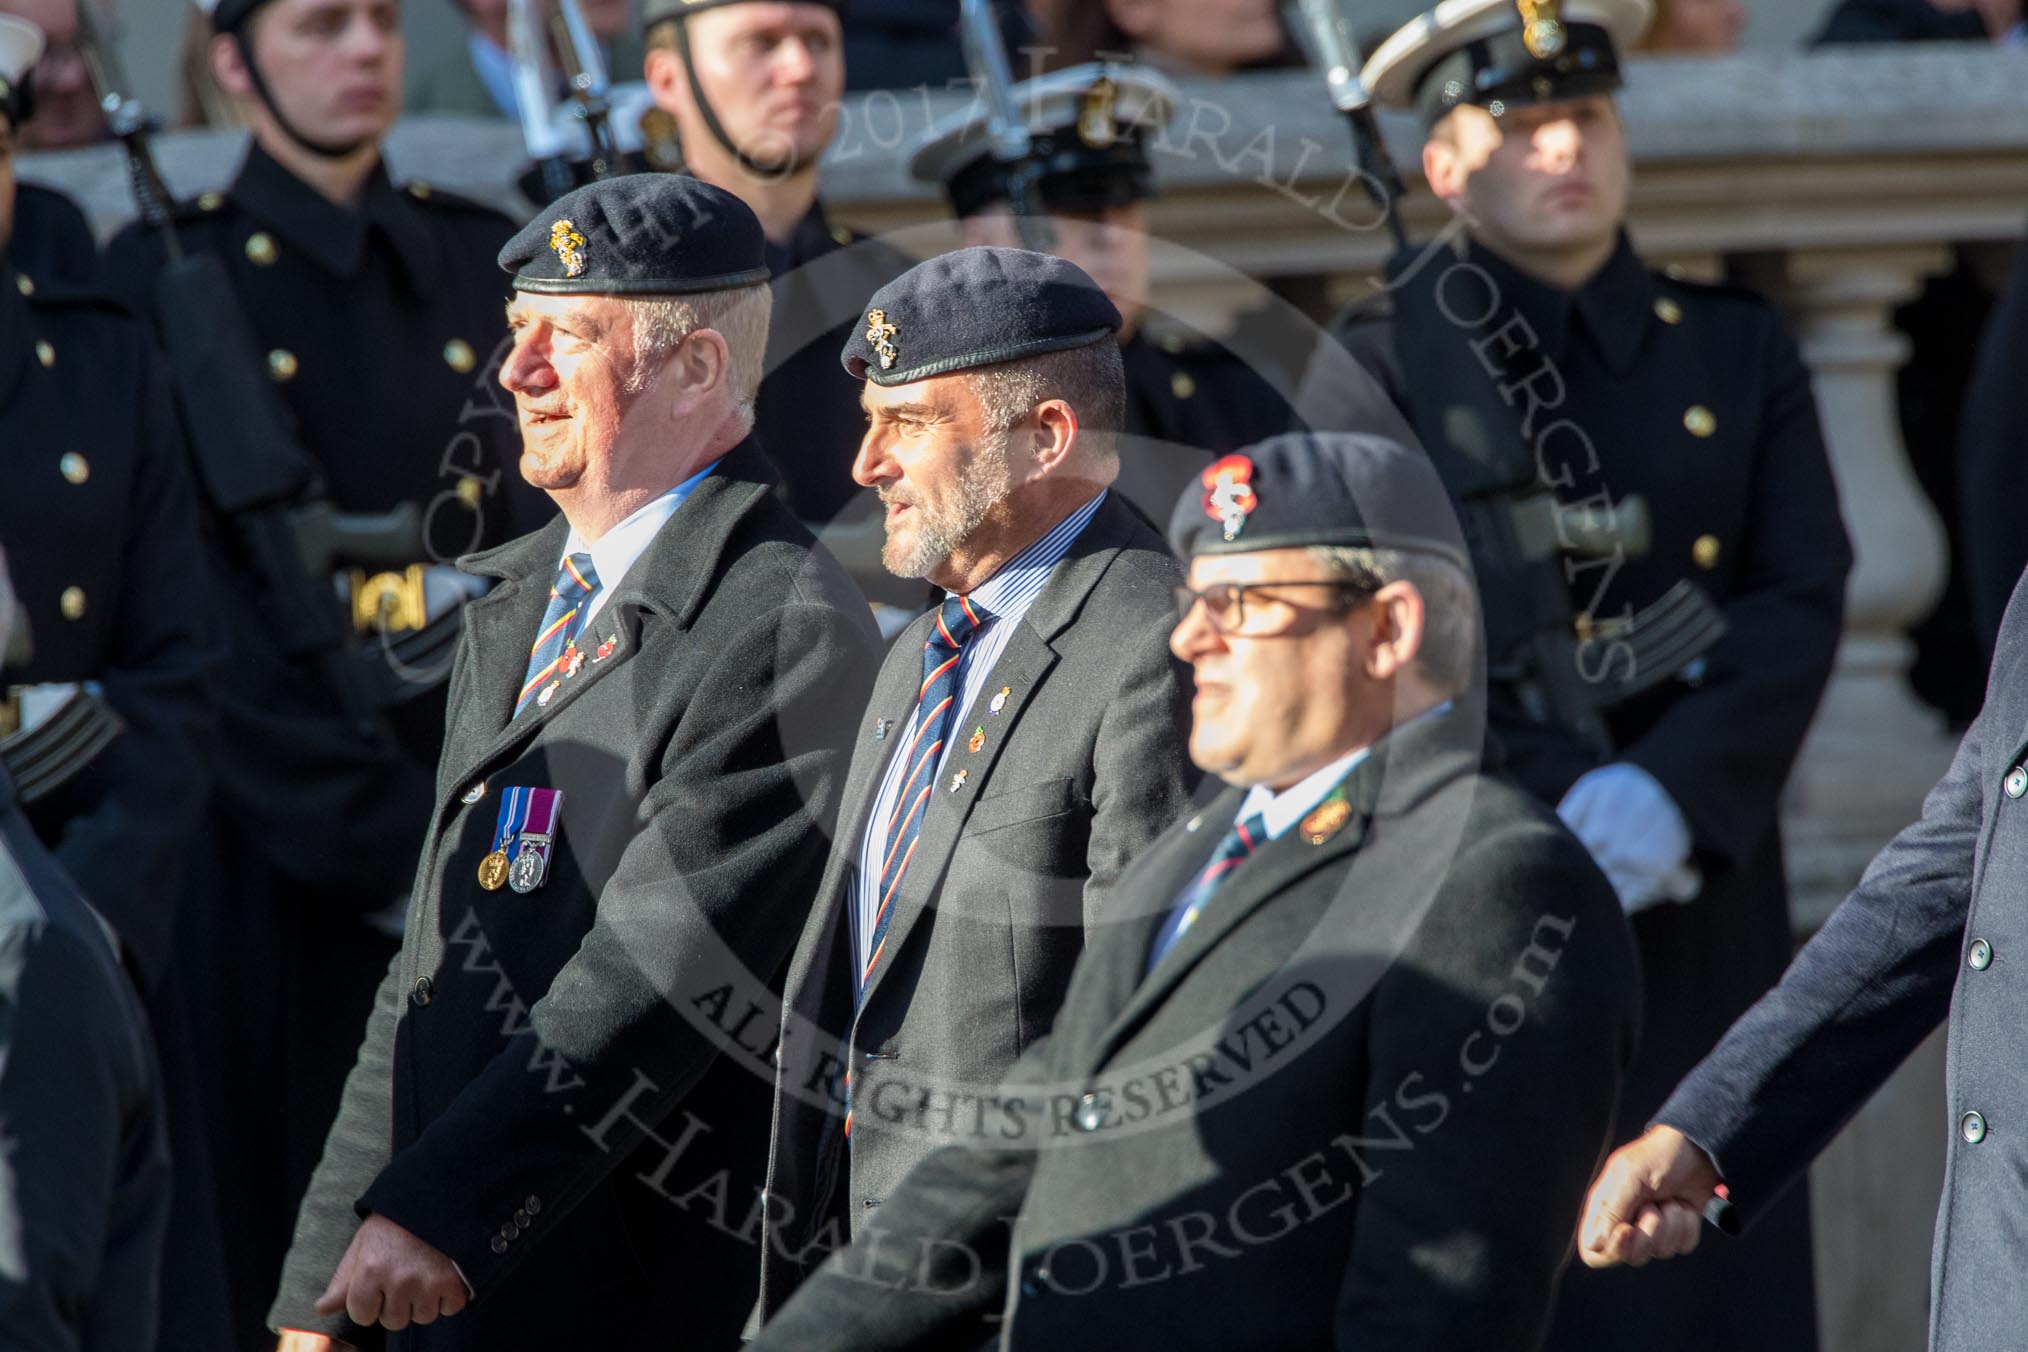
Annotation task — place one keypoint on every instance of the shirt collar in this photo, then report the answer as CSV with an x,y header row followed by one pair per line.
x,y
1008,593
616,550
336,236
1283,810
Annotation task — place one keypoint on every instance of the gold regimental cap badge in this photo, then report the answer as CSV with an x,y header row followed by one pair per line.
x,y
569,246
1096,125
1542,30
882,334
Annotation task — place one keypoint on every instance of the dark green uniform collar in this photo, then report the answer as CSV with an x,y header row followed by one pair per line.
x,y
336,236
1615,306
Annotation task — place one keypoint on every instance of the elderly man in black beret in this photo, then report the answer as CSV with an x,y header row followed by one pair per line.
x,y
1025,740
646,730
1340,1039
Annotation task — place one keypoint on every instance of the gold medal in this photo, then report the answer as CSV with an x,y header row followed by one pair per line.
x,y
493,871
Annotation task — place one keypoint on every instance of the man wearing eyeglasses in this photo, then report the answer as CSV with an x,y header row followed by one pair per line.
x,y
1343,1035
1024,743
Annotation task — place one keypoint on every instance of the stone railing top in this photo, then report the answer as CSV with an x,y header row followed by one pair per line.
x,y
1938,109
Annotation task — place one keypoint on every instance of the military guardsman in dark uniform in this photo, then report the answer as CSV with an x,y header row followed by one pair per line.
x,y
1188,400
753,91
1615,382
111,568
376,312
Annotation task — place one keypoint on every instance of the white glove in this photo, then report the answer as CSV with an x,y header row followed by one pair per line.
x,y
1635,832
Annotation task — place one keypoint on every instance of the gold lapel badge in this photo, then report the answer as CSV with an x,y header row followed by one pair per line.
x,y
569,246
1542,30
1327,819
882,334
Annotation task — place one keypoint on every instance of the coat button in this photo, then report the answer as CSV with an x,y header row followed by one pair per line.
x,y
521,1219
1980,957
72,603
424,992
2017,782
282,364
24,283
473,794
419,190
45,354
510,1232
73,467
1705,552
458,355
1091,1112
1972,1126
1668,311
533,1206
497,1245
1034,1279
261,250
210,201
1181,385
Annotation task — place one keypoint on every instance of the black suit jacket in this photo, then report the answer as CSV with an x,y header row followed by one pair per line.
x,y
533,1056
1355,1106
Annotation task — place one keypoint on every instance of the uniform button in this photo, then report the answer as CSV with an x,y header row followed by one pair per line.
x,y
497,1245
473,794
1981,955
74,467
471,491
1668,311
1035,1279
24,284
2017,782
45,354
1699,420
1172,344
1090,1114
1182,385
282,364
210,201
458,355
510,1232
424,992
840,235
1972,1126
1705,552
419,190
72,603
261,250
521,1218
533,1206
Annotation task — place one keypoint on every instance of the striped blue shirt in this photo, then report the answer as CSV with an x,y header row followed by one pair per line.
x,y
1006,596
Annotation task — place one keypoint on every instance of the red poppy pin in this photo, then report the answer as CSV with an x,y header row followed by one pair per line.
x,y
1228,493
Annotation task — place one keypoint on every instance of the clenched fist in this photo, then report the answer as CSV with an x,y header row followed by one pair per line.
x,y
1648,1202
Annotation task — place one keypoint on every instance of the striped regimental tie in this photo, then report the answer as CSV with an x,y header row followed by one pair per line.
x,y
1237,847
576,583
936,710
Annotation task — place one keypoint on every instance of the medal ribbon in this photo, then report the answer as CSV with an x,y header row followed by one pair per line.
x,y
512,808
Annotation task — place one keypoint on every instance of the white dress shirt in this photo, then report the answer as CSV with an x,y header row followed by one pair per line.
x,y
616,550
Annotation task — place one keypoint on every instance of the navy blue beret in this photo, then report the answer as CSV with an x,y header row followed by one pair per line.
x,y
226,15
975,307
655,11
1343,489
639,235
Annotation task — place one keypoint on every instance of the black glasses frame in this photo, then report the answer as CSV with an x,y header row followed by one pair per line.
x,y
1228,599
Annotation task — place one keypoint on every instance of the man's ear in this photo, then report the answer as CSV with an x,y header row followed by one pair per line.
x,y
228,66
1047,438
1442,168
1398,617
701,365
663,70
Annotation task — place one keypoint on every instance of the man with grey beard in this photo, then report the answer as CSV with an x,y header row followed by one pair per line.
x,y
1025,740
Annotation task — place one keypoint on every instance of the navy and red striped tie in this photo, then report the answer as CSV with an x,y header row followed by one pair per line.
x,y
1237,847
576,583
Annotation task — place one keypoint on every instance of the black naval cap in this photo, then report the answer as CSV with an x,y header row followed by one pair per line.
x,y
975,307
639,235
21,46
1351,490
1087,128
1500,54
227,15
656,11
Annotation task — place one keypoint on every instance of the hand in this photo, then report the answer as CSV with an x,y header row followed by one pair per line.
x,y
297,1340
391,1278
1635,833
1648,1202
